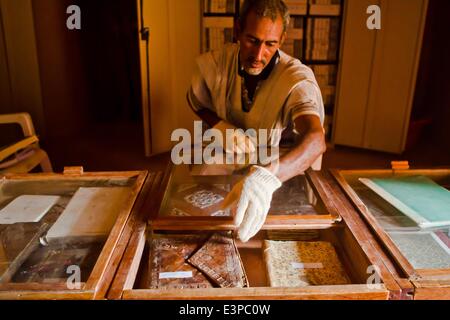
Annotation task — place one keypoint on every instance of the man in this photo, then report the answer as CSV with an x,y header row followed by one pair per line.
x,y
253,84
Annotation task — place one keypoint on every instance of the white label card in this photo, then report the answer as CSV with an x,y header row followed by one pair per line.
x,y
299,265
175,275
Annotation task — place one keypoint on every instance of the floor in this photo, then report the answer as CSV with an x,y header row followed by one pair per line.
x,y
114,147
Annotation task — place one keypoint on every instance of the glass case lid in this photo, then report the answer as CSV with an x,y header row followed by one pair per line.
x,y
53,225
194,195
410,212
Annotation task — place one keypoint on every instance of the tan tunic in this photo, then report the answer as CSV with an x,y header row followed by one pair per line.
x,y
290,91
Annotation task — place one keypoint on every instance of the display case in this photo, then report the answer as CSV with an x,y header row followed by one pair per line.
x,y
193,195
61,234
411,227
312,246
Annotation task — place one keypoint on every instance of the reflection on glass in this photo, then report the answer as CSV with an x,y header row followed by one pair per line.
x,y
296,197
424,248
28,255
50,264
199,190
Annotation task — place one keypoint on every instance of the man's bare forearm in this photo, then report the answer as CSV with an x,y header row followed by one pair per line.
x,y
300,158
203,113
208,116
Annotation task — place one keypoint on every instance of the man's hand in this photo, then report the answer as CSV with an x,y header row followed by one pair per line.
x,y
238,143
253,195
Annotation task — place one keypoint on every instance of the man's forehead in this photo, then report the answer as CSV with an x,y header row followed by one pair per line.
x,y
257,26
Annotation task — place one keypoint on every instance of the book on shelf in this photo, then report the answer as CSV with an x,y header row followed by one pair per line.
x,y
293,44
219,6
293,47
297,7
326,78
333,39
322,39
325,7
327,125
216,32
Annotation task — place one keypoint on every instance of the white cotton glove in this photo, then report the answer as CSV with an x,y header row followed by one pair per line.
x,y
253,195
240,143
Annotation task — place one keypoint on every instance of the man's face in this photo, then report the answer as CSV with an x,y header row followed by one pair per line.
x,y
259,41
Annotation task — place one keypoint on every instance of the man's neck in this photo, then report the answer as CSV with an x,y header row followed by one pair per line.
x,y
264,74
251,82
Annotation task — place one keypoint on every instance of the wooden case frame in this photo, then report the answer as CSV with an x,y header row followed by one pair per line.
x,y
361,247
421,283
272,222
104,269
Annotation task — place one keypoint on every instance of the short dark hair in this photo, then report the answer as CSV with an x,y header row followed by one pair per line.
x,y
265,8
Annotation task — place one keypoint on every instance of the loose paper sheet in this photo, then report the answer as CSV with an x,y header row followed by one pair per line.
x,y
27,208
90,212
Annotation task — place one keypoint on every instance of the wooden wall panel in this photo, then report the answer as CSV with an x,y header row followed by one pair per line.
x,y
174,45
396,58
64,82
5,86
378,74
357,44
23,67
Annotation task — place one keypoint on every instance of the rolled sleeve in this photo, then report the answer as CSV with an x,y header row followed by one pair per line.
x,y
305,99
199,96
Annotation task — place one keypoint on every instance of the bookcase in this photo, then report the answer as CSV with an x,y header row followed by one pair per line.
x,y
313,36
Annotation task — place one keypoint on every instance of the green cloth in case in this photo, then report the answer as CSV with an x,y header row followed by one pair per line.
x,y
418,197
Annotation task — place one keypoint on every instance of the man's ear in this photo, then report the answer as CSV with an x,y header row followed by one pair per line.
x,y
283,37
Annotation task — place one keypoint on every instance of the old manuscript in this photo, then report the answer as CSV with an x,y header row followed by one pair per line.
x,y
301,264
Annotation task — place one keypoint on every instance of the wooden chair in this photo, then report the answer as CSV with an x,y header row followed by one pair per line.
x,y
24,155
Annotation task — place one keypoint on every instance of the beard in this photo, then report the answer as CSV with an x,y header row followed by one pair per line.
x,y
254,71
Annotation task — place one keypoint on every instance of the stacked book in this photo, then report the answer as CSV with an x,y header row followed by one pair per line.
x,y
219,6
322,36
293,44
325,7
297,7
216,32
326,78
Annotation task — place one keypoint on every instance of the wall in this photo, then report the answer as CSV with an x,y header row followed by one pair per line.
x,y
22,68
5,86
61,69
69,79
432,99
174,45
377,75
